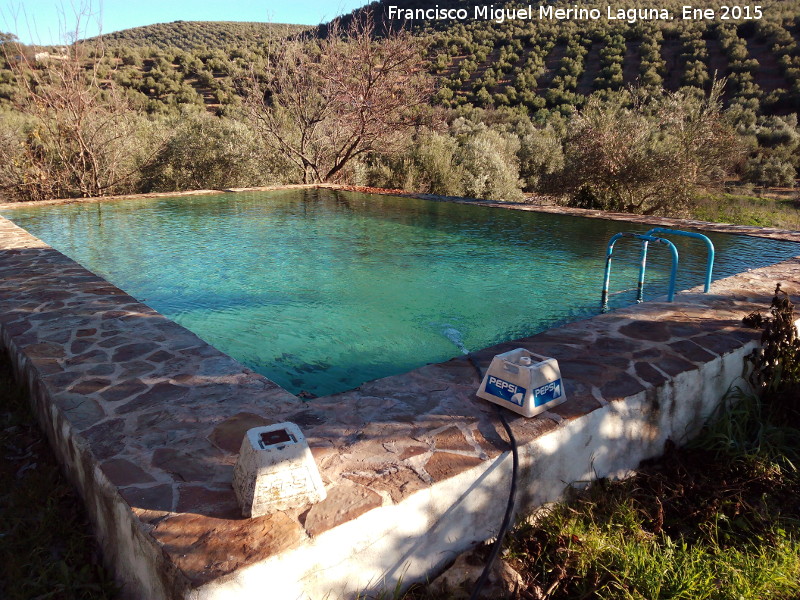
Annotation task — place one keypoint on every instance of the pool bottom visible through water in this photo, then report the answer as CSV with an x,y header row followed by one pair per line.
x,y
322,290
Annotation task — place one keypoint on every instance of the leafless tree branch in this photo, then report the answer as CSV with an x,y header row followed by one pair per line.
x,y
324,102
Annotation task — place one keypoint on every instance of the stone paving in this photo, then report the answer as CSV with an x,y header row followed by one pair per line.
x,y
162,413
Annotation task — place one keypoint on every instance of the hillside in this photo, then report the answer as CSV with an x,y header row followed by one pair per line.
x,y
550,63
193,35
530,63
166,65
540,70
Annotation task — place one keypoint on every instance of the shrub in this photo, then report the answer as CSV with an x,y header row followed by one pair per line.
x,y
427,166
774,161
205,152
650,158
776,363
769,171
489,162
541,156
76,134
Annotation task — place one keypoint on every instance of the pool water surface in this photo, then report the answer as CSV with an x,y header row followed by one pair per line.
x,y
321,290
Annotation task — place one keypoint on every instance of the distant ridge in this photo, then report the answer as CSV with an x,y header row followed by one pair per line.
x,y
532,63
550,62
191,35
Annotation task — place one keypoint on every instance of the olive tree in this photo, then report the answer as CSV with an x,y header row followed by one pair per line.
x,y
209,152
322,103
774,159
649,156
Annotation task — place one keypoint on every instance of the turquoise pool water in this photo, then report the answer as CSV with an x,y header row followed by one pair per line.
x,y
322,290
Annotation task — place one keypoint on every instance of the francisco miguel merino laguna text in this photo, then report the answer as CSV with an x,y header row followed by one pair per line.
x,y
544,12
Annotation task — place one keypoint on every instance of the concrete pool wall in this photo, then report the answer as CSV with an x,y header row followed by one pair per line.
x,y
147,419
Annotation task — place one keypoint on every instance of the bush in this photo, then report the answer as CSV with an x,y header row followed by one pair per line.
x,y
774,161
769,171
650,155
472,159
775,364
426,166
489,162
207,152
19,177
39,160
541,156
437,172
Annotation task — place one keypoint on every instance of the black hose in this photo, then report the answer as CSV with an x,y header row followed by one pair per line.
x,y
476,590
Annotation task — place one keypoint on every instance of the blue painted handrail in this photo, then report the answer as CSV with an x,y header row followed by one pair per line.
x,y
646,239
662,230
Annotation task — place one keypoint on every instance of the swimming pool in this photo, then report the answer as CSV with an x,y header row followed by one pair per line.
x,y
321,290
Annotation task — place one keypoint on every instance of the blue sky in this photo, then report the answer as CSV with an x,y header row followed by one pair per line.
x,y
46,21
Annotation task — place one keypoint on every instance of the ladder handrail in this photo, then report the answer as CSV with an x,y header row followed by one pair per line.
x,y
645,238
691,234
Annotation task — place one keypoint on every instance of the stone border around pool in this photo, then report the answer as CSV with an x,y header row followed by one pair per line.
x,y
148,418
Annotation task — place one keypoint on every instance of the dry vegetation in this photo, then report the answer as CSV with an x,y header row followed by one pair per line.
x,y
508,99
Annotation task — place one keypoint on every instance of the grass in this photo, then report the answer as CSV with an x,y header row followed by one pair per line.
x,y
761,211
46,550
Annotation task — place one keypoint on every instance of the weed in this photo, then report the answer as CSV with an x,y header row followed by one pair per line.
x,y
742,429
776,363
748,210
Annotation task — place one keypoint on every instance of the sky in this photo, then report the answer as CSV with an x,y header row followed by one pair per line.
x,y
47,21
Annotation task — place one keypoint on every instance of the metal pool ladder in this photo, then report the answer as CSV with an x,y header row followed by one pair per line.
x,y
646,238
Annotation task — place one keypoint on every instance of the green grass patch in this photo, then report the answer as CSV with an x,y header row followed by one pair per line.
x,y
748,210
46,550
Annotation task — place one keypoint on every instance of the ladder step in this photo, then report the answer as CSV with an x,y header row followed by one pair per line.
x,y
623,291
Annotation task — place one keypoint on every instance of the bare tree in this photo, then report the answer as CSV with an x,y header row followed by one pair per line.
x,y
325,102
76,131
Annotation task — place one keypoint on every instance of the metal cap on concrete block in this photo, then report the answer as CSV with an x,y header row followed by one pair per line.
x,y
275,471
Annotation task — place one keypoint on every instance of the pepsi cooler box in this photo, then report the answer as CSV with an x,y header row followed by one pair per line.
x,y
524,382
